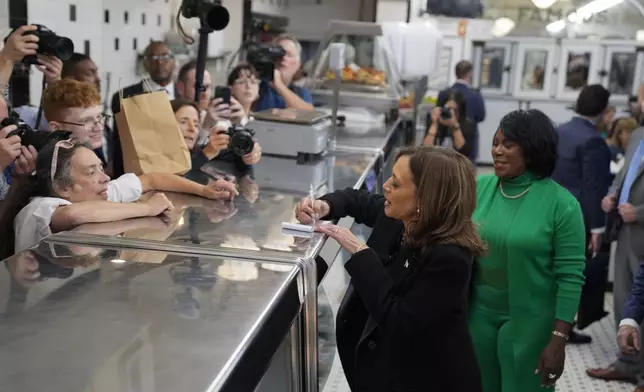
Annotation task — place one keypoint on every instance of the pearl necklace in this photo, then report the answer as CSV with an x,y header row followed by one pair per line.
x,y
512,197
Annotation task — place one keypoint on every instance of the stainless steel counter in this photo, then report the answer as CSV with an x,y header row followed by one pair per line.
x,y
143,305
107,319
363,137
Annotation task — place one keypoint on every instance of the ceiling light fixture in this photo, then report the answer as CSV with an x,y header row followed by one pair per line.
x,y
502,27
543,4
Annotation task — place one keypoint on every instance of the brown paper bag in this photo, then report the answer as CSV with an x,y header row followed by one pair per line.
x,y
150,137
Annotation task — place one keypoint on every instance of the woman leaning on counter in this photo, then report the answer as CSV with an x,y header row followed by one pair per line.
x,y
402,325
526,289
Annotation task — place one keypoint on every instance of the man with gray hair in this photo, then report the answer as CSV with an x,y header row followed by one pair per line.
x,y
281,93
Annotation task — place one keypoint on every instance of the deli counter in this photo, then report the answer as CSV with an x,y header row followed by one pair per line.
x,y
218,299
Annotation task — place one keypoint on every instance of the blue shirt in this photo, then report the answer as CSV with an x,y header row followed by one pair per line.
x,y
634,167
270,99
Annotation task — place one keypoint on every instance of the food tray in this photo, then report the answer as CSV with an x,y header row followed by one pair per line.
x,y
356,87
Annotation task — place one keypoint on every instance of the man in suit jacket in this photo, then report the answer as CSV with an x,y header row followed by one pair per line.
x,y
159,62
625,200
473,98
583,168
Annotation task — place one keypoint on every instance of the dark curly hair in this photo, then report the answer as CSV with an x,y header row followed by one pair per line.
x,y
535,133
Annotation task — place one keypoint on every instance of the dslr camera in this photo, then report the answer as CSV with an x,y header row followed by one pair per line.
x,y
263,58
446,113
29,137
241,140
49,44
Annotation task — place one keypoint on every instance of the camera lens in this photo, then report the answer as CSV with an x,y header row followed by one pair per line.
x,y
61,47
242,143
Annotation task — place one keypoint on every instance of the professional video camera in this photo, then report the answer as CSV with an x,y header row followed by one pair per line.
x,y
241,140
29,137
263,58
49,43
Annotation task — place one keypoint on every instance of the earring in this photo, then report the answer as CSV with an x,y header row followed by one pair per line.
x,y
418,211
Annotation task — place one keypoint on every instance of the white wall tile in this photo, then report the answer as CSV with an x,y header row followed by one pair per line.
x,y
89,25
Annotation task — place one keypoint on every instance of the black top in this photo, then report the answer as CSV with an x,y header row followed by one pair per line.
x,y
468,128
402,325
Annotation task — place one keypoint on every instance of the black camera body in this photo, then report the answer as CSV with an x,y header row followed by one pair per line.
x,y
29,137
263,58
446,113
49,44
241,140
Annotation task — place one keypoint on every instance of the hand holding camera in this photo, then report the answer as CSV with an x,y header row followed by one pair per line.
x,y
218,141
9,146
22,42
25,42
447,117
50,66
26,162
254,156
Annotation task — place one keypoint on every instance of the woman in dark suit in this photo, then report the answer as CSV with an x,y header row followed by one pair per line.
x,y
402,326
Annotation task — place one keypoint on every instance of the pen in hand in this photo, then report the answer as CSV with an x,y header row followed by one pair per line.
x,y
314,216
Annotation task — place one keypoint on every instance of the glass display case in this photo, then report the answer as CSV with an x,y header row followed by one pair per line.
x,y
369,78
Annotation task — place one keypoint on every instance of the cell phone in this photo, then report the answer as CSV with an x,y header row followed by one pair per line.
x,y
225,93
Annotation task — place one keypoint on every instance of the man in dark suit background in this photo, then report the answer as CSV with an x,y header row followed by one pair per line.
x,y
583,168
473,99
159,62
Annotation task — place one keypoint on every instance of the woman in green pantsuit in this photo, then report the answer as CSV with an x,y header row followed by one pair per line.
x,y
526,289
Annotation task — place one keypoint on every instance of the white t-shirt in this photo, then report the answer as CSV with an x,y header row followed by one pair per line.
x,y
32,223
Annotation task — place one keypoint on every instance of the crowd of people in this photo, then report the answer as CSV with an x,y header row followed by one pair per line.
x,y
78,176
465,284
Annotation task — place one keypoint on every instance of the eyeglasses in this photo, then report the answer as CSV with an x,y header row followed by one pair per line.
x,y
91,123
162,57
249,82
66,144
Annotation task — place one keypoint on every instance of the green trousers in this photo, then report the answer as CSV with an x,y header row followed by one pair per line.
x,y
508,349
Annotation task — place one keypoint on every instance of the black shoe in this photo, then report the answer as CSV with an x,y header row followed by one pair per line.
x,y
579,338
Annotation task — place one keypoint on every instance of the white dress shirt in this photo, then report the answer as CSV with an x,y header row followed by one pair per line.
x,y
157,87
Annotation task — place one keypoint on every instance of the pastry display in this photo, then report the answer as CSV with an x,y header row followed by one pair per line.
x,y
367,76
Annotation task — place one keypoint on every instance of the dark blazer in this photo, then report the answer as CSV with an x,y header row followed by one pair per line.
x,y
402,325
116,153
634,308
583,167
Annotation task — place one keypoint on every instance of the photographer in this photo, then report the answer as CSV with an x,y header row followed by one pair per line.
x,y
218,146
449,125
211,109
20,44
281,93
244,82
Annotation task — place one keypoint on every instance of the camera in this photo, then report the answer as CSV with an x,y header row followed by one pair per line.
x,y
241,140
263,58
446,113
212,12
49,43
29,137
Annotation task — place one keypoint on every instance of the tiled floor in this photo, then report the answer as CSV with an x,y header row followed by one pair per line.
x,y
578,358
